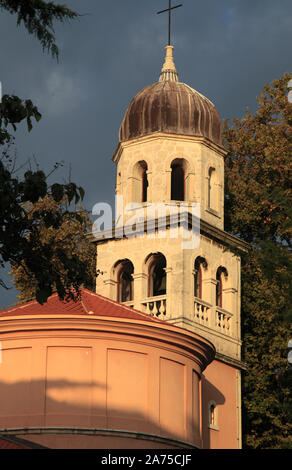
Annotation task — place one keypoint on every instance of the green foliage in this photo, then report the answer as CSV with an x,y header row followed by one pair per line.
x,y
267,384
258,209
13,110
20,242
48,265
60,237
38,17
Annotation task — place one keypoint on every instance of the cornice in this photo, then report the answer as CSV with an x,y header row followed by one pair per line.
x,y
167,136
115,433
238,364
161,335
206,229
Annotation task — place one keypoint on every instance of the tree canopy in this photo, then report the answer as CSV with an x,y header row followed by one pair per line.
x,y
258,210
67,241
50,265
38,17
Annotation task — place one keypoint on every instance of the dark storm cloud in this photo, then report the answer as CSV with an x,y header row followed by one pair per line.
x,y
226,49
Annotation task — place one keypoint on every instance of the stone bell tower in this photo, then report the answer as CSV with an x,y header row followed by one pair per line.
x,y
170,154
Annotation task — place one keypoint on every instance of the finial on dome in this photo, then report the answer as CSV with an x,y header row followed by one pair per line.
x,y
168,71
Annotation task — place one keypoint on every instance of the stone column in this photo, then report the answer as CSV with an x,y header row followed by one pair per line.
x,y
150,186
109,289
209,295
230,304
170,293
140,289
168,185
190,187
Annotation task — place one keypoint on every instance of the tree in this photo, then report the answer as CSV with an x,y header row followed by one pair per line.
x,y
69,237
258,209
19,231
258,181
38,18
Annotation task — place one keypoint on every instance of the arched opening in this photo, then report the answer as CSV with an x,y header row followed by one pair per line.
x,y
212,189
140,182
177,180
221,271
157,276
213,415
144,185
125,281
200,263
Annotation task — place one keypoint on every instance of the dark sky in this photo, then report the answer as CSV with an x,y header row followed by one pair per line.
x,y
225,49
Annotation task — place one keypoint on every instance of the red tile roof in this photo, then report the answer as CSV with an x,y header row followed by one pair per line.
x,y
8,444
90,304
12,442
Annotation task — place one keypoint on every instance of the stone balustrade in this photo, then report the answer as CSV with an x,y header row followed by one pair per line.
x,y
155,306
223,320
202,311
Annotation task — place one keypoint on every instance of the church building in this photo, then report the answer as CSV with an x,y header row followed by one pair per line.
x,y
152,360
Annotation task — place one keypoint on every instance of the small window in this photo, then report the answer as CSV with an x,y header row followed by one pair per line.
x,y
177,182
144,185
213,415
200,263
157,276
140,182
125,282
198,282
212,189
219,289
219,285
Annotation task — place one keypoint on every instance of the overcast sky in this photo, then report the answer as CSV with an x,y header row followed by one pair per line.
x,y
225,49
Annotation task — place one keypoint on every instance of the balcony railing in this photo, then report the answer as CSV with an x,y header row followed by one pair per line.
x,y
155,306
213,317
223,321
202,311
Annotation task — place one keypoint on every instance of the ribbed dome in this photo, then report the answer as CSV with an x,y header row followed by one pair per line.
x,y
171,107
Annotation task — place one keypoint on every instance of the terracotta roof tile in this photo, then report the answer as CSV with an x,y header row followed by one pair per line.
x,y
13,442
90,304
7,444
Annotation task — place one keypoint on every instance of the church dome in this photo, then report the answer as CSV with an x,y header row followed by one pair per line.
x,y
172,107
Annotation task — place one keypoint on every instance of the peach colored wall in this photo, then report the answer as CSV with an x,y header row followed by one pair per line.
x,y
105,374
219,384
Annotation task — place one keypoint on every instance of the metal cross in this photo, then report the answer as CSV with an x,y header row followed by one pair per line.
x,y
169,9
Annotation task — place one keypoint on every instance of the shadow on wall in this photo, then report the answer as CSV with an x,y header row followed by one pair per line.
x,y
209,394
61,403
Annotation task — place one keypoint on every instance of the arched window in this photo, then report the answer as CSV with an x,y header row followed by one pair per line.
x,y
144,185
125,282
219,285
199,264
157,276
177,181
212,189
140,182
198,282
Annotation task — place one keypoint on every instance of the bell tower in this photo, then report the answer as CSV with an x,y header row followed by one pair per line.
x,y
170,155
170,147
